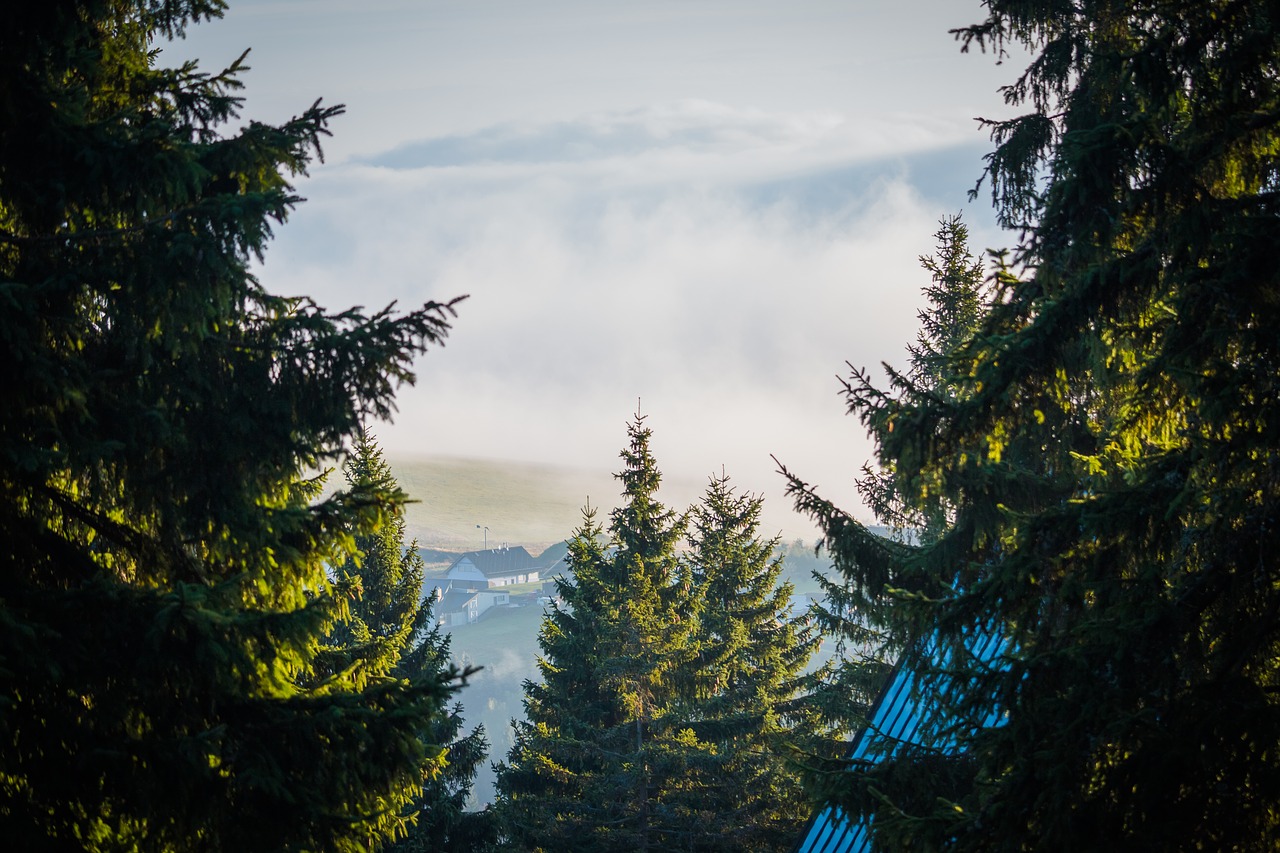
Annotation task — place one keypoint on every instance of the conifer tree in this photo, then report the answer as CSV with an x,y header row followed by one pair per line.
x,y
950,317
164,590
1109,456
390,635
747,703
601,761
854,613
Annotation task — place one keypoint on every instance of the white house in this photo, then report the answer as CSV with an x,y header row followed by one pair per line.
x,y
494,567
463,606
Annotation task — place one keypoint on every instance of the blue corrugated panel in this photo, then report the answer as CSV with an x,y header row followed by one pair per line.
x,y
901,714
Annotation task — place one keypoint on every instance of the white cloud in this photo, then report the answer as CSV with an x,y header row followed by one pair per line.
x,y
681,138
708,205
720,264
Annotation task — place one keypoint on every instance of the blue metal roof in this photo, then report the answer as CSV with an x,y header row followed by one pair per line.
x,y
907,711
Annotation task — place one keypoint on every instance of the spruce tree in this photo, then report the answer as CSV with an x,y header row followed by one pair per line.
x,y
747,701
601,761
390,635
164,591
1109,455
855,612
954,305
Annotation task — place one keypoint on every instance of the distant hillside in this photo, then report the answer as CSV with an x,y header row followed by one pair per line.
x,y
521,504
435,556
530,505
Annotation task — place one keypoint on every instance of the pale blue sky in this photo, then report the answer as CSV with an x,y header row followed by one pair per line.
x,y
708,205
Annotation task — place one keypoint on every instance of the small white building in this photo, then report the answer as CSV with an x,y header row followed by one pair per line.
x,y
455,607
493,568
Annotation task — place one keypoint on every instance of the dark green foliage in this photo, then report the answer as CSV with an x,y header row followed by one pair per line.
x,y
164,589
747,701
390,635
1109,452
856,612
601,762
668,703
955,306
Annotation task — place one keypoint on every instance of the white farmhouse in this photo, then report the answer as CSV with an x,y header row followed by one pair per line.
x,y
494,567
455,607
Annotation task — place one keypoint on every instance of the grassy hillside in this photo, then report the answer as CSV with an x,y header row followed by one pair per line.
x,y
521,504
527,504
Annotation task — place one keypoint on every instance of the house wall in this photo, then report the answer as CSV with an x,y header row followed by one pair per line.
x,y
492,599
476,607
511,580
465,570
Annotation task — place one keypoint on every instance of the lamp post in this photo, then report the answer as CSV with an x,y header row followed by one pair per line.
x,y
486,535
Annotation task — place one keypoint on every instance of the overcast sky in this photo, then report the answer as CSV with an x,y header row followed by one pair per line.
x,y
707,205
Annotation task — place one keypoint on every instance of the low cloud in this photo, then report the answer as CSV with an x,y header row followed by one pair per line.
x,y
681,134
721,265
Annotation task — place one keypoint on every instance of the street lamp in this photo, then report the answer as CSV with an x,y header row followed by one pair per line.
x,y
486,535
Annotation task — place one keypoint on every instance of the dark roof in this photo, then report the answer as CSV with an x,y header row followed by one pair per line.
x,y
498,562
454,599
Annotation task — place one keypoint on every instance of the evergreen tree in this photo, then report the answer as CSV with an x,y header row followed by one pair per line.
x,y
955,306
1109,456
913,511
164,590
602,762
854,612
390,635
747,702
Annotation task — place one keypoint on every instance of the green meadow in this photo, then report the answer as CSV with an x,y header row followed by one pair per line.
x,y
520,503
529,504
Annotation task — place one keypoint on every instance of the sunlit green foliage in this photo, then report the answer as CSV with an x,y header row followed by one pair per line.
x,y
669,701
390,635
856,612
748,700
601,761
164,593
1108,454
